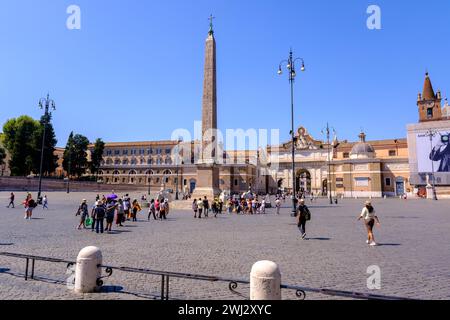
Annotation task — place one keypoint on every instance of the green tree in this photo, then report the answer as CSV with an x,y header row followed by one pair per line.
x,y
50,162
96,156
18,138
75,155
2,156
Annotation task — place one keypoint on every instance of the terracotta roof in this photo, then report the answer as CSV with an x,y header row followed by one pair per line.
x,y
428,92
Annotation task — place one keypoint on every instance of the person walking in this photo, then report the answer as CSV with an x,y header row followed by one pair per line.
x,y
11,200
157,208
111,207
206,207
45,203
200,208
370,217
166,207
83,212
120,213
99,216
303,215
126,207
152,210
162,211
195,208
262,208
278,205
214,208
135,209
29,204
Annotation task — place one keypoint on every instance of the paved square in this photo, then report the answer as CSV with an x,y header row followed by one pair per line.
x,y
414,254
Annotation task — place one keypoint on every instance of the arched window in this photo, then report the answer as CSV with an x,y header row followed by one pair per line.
x,y
167,172
168,161
150,161
132,172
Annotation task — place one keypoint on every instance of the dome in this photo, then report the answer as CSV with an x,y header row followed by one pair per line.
x,y
362,149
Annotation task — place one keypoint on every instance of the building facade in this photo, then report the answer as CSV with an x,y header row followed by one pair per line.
x,y
428,145
346,169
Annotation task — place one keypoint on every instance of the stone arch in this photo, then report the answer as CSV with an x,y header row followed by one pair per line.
x,y
303,181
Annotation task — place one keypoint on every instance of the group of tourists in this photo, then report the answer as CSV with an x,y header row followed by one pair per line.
x,y
202,206
111,208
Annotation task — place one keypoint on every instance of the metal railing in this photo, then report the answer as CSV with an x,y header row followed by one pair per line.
x,y
233,284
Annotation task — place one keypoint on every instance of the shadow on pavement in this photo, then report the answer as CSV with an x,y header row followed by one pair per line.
x,y
6,244
389,244
320,239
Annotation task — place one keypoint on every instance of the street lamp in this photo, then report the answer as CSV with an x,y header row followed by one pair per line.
x,y
68,169
290,65
46,104
327,132
431,134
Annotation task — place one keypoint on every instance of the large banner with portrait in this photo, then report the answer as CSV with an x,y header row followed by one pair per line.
x,y
436,152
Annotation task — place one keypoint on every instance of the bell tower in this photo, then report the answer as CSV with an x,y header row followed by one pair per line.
x,y
429,103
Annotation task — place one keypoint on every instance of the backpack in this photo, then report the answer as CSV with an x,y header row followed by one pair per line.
x,y
100,212
32,204
307,215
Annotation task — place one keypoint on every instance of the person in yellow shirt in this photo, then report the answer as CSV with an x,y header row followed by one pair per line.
x,y
136,207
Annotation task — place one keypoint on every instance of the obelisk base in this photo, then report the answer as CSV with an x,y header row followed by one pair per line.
x,y
207,182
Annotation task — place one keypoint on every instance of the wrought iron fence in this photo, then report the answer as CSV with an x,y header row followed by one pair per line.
x,y
300,292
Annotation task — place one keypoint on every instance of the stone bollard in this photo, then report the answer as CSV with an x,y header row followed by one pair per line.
x,y
265,281
87,270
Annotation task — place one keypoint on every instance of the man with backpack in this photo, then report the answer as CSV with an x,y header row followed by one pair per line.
x,y
303,215
206,207
99,216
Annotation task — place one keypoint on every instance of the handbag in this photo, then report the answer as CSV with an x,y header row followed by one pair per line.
x,y
88,222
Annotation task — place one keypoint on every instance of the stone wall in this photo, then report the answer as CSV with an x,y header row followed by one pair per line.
x,y
32,184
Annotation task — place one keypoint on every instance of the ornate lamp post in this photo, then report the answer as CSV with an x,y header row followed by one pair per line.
x,y
46,104
329,183
69,167
431,134
290,65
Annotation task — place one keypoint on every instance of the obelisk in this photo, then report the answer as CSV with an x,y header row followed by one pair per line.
x,y
207,168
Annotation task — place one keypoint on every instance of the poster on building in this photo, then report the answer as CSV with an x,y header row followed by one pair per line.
x,y
436,152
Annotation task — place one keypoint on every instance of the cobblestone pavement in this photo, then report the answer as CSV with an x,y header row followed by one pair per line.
x,y
414,254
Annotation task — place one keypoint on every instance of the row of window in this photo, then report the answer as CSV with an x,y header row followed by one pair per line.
x,y
158,161
136,152
392,153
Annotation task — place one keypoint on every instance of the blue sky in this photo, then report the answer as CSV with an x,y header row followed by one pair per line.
x,y
134,70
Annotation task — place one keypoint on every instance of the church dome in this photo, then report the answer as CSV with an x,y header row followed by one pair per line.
x,y
362,149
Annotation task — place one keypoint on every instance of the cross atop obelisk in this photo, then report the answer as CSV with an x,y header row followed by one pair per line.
x,y
211,30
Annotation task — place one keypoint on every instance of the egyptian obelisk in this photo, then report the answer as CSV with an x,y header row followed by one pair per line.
x,y
207,168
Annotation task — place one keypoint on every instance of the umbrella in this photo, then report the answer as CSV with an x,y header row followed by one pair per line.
x,y
112,196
